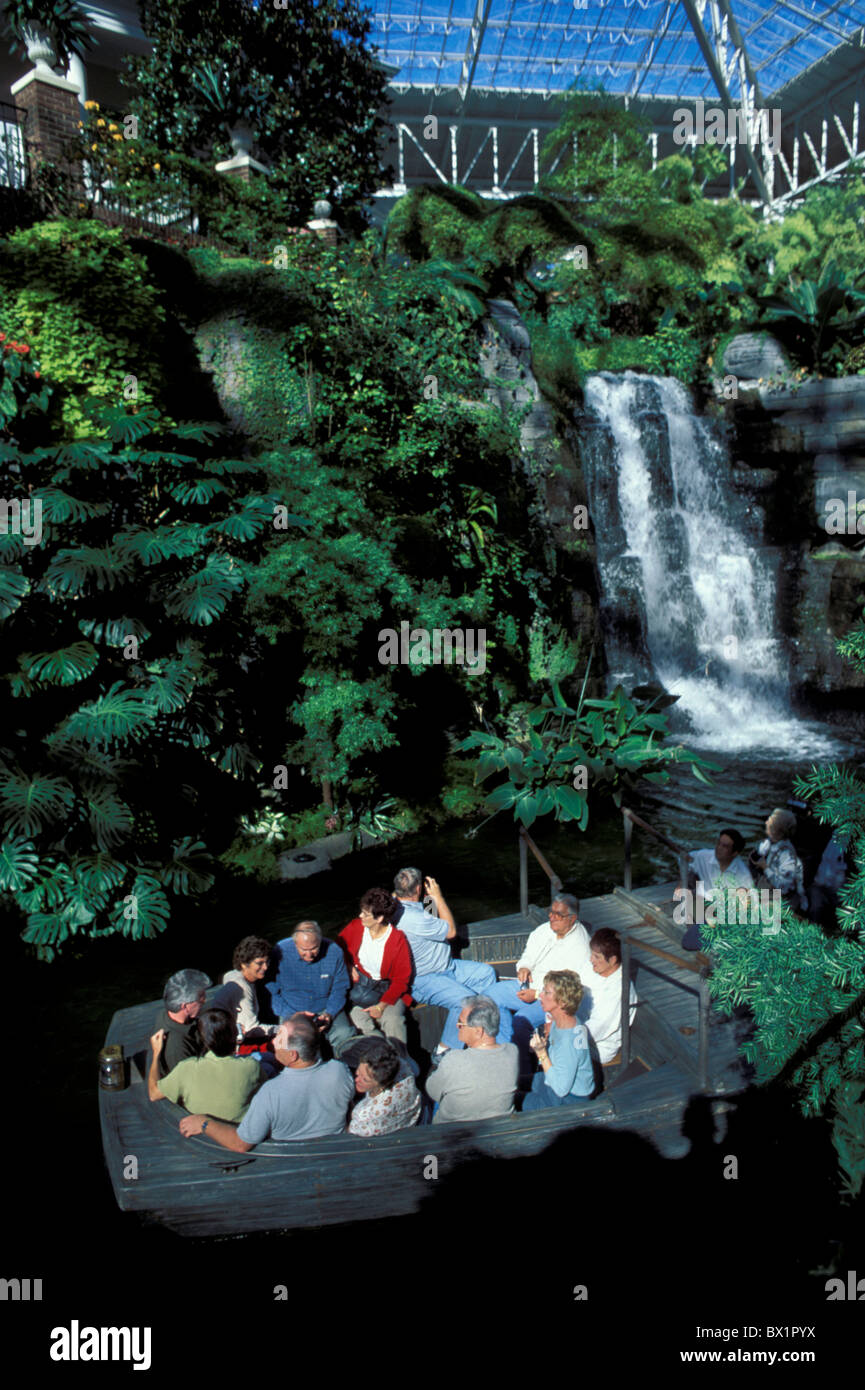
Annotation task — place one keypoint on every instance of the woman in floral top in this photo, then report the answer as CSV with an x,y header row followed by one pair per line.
x,y
777,861
391,1099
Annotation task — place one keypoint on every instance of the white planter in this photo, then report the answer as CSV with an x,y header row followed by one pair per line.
x,y
40,47
242,137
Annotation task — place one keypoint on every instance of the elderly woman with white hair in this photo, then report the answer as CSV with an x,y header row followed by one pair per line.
x,y
776,861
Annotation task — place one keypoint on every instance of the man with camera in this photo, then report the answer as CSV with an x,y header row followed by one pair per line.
x,y
438,978
312,979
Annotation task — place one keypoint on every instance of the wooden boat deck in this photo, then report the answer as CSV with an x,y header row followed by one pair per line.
x,y
196,1187
667,1012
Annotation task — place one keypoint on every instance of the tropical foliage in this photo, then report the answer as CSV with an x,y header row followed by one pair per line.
x,y
806,990
257,633
302,75
819,321
126,712
64,20
561,754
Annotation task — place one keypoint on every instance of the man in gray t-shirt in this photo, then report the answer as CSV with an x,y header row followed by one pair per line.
x,y
479,1082
307,1100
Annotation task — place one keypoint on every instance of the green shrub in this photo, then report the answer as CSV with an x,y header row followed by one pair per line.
x,y
86,303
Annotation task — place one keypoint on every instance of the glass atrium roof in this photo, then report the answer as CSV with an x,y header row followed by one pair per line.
x,y
632,47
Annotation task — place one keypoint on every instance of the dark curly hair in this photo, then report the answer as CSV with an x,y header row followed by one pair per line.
x,y
250,948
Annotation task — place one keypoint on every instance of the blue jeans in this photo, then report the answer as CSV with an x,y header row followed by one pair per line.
x,y
450,987
541,1095
519,1020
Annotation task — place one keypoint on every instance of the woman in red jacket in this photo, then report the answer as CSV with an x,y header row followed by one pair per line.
x,y
377,950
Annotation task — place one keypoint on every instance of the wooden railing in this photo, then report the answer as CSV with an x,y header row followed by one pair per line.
x,y
630,819
526,843
700,968
697,967
701,990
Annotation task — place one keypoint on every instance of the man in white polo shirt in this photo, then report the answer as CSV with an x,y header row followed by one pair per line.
x,y
562,943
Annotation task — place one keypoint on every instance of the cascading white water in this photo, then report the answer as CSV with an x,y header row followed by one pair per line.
x,y
707,599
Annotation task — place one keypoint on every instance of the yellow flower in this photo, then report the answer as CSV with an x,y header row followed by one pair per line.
x,y
112,126
91,106
82,205
94,147
157,167
80,125
100,121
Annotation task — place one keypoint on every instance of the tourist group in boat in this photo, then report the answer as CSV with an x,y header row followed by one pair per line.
x,y
338,1058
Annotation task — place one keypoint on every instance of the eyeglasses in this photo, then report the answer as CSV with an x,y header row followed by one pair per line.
x,y
562,914
466,1025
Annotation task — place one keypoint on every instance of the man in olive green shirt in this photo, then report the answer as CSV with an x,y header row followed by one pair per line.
x,y
217,1083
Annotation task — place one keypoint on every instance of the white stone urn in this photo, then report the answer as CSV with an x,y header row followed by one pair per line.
x,y
40,46
242,138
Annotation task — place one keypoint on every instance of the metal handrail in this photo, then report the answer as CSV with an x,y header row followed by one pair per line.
x,y
527,843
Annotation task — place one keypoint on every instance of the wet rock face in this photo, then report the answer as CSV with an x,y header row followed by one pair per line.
x,y
750,356
804,448
551,470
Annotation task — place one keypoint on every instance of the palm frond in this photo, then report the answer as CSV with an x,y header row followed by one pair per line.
x,y
13,586
62,667
28,804
117,716
19,864
203,596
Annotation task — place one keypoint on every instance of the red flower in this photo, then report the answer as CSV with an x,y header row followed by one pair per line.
x,y
37,375
23,348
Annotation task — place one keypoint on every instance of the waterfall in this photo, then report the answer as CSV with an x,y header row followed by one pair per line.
x,y
688,591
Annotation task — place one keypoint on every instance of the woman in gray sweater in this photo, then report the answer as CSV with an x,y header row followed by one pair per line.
x,y
479,1081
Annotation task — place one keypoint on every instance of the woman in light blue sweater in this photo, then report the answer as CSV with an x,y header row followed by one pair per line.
x,y
566,1075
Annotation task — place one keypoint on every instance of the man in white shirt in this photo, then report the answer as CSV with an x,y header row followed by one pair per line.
x,y
562,943
601,1009
710,870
